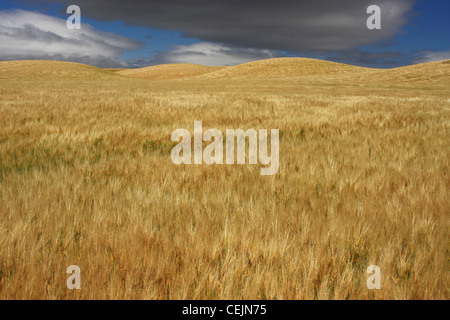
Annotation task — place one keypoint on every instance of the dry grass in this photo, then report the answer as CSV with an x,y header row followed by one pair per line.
x,y
86,178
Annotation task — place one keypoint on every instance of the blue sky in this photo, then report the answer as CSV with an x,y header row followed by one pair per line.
x,y
418,31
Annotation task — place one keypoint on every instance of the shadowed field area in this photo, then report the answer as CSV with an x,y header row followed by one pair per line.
x,y
86,179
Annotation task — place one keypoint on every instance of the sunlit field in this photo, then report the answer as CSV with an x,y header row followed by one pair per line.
x,y
86,179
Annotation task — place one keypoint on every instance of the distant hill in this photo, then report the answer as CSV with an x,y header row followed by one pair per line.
x,y
169,71
284,68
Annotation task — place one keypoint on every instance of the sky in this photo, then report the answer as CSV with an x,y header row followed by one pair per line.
x,y
132,33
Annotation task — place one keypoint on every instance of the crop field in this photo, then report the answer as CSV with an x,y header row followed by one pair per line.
x,y
86,179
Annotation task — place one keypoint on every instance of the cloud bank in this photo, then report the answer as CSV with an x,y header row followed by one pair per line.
x,y
430,56
208,54
30,35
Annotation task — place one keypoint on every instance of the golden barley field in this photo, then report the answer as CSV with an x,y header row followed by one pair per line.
x,y
86,179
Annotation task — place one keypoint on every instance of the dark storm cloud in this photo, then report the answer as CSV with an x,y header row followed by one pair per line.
x,y
319,26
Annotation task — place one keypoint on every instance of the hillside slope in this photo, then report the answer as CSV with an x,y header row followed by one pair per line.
x,y
284,68
430,73
169,71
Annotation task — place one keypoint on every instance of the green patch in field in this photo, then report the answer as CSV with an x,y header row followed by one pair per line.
x,y
163,148
29,158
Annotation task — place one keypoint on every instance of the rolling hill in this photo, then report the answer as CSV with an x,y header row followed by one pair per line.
x,y
432,73
284,68
169,71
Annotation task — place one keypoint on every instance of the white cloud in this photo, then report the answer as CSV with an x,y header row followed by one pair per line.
x,y
430,56
209,54
32,35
